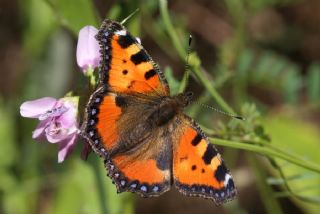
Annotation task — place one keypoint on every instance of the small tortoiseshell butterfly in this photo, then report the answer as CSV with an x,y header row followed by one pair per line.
x,y
146,140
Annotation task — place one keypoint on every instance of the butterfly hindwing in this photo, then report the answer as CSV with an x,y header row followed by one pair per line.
x,y
141,172
198,168
136,157
125,64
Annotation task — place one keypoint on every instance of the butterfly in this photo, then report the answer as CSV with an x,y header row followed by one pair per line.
x,y
148,144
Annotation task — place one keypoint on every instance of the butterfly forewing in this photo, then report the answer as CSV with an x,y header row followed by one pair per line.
x,y
125,64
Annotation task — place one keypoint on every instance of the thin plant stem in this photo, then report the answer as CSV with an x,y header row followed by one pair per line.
x,y
271,205
199,72
213,92
170,29
100,185
290,191
271,152
184,81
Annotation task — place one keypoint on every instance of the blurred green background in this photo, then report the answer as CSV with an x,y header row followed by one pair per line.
x,y
256,58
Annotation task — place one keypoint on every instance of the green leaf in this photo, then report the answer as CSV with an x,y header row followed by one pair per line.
x,y
114,12
76,192
266,192
278,64
300,138
244,62
263,66
292,83
7,132
53,72
173,83
313,83
262,4
37,30
79,190
75,14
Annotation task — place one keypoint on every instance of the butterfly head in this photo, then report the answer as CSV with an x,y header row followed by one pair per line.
x,y
185,98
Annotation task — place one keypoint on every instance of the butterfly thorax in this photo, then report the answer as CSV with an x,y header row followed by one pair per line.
x,y
168,107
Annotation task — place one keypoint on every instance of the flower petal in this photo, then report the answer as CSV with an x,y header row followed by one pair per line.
x,y
39,132
66,147
55,112
55,133
69,118
34,108
88,48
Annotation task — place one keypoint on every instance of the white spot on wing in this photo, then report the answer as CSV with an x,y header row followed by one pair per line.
x,y
226,179
121,32
138,40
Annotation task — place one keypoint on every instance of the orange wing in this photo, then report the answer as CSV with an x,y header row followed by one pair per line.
x,y
125,65
198,169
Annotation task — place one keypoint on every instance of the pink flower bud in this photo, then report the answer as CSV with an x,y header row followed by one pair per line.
x,y
88,55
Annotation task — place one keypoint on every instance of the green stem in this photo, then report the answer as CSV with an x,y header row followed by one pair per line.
x,y
184,81
290,191
170,29
262,148
268,151
100,185
182,53
90,75
213,92
271,205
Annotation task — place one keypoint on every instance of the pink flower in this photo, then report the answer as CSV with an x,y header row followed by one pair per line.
x,y
58,121
88,55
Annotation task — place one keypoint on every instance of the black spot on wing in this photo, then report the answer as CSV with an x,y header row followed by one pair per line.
x,y
150,74
126,40
140,57
221,172
120,101
209,154
196,140
125,72
230,185
194,167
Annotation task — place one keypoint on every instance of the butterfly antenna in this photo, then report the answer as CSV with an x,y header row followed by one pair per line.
x,y
129,17
222,112
187,66
186,75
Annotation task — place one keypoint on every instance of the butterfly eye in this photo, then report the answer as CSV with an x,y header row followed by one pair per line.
x,y
189,94
185,98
